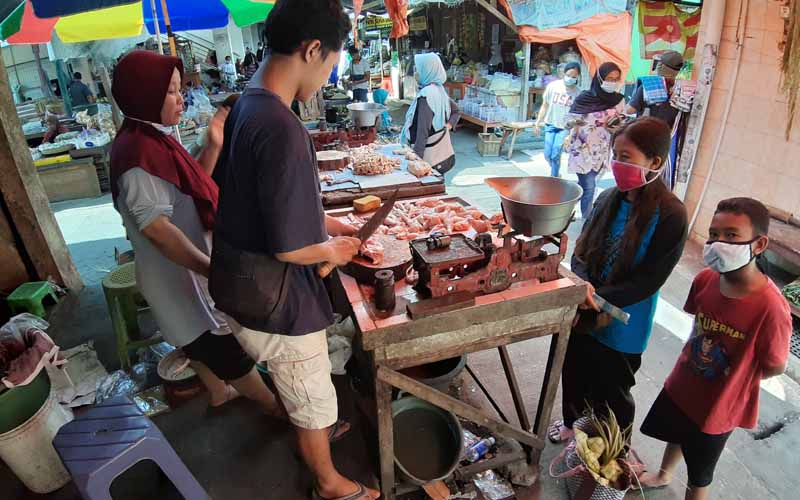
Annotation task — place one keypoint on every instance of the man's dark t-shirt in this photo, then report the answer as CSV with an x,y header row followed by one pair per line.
x,y
270,202
79,93
661,110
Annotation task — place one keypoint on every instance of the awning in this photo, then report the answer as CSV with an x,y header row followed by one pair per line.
x,y
33,21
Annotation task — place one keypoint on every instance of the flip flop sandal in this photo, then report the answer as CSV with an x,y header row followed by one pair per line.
x,y
554,432
361,494
637,486
332,433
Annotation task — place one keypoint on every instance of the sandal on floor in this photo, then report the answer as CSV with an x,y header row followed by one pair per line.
x,y
554,432
332,437
361,494
637,486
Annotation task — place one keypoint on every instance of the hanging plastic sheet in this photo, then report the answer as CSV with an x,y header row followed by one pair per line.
x,y
117,22
398,11
186,15
58,8
559,13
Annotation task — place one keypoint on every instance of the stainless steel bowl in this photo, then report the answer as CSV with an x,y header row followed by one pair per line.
x,y
537,206
365,114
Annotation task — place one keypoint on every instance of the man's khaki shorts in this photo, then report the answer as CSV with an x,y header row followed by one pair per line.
x,y
301,370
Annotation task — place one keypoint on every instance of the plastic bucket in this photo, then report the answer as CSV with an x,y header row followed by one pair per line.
x,y
28,449
20,403
428,441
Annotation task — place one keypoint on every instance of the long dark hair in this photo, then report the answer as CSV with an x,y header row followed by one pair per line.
x,y
652,137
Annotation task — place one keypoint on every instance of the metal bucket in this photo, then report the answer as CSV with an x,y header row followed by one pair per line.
x,y
438,374
428,441
537,206
365,114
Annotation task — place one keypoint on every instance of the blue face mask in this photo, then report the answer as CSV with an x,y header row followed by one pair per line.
x,y
570,81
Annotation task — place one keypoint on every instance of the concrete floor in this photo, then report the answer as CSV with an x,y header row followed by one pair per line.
x,y
241,454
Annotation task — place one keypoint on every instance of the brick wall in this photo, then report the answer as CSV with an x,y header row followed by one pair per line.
x,y
755,159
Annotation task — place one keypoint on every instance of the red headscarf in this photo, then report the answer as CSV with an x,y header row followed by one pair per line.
x,y
141,81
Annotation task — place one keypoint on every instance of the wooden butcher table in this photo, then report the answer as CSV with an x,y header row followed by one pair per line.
x,y
393,341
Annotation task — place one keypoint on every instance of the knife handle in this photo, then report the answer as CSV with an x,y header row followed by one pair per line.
x,y
325,269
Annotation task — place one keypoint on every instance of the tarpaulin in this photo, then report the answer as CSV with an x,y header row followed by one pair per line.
x,y
601,38
666,26
398,11
559,13
31,29
187,15
12,23
247,12
117,22
57,8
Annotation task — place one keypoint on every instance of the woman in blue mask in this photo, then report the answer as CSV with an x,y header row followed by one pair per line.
x,y
557,101
590,138
626,250
431,115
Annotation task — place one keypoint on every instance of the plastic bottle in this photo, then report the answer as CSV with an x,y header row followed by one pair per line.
x,y
479,449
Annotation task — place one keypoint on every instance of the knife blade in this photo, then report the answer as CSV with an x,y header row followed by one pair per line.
x,y
367,230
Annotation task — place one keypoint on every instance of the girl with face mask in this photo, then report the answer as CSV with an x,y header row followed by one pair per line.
x,y
589,139
626,251
557,100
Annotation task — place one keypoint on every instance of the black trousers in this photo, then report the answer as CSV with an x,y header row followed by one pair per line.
x,y
598,377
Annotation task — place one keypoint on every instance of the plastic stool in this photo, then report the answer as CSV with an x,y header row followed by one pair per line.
x,y
29,297
123,298
110,438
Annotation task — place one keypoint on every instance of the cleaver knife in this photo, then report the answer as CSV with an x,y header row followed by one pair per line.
x,y
367,230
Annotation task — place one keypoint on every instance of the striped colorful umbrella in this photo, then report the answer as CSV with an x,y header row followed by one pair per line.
x,y
33,21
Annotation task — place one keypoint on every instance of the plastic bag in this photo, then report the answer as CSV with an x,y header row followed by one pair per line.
x,y
25,349
339,351
492,486
118,383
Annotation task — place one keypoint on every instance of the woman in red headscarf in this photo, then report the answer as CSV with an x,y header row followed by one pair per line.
x,y
168,201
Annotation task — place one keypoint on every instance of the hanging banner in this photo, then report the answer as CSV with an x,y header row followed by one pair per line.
x,y
666,26
398,11
374,23
560,13
418,23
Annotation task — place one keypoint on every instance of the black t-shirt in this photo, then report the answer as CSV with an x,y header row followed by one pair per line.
x,y
662,110
270,200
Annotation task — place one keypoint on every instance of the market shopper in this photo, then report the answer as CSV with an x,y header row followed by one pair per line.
x,y
272,233
431,115
741,333
556,103
79,92
626,250
650,100
229,73
359,73
589,123
167,201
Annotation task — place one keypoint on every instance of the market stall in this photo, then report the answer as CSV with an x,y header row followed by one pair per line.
x,y
439,279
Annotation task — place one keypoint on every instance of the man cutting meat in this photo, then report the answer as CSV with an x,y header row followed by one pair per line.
x,y
272,233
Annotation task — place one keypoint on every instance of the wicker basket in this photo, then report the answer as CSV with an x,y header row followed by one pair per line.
x,y
488,145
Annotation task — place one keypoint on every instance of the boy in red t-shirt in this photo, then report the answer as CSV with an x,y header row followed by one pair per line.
x,y
740,337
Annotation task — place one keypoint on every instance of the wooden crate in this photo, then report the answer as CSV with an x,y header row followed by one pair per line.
x,y
488,144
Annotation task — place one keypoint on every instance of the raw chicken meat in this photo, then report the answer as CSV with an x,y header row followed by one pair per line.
x,y
419,168
372,250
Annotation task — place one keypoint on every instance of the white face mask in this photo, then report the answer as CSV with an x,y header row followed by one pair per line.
x,y
725,257
609,87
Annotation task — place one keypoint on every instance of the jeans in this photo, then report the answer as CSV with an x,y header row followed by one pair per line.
x,y
360,95
587,181
553,143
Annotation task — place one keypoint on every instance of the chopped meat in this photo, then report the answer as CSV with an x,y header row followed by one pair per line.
x,y
475,214
372,250
480,226
412,276
461,225
419,168
407,236
431,203
390,221
497,218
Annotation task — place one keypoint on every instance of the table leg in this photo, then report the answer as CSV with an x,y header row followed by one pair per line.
x,y
516,394
383,398
503,141
513,140
552,372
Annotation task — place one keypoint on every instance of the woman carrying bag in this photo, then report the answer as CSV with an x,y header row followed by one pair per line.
x,y
431,116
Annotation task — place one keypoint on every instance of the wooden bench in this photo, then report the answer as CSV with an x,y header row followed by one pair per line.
x,y
512,129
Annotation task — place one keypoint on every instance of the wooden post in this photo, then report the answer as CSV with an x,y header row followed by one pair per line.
x,y
27,201
526,74
383,399
172,48
156,27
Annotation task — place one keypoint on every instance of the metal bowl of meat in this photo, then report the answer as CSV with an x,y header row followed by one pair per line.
x,y
537,205
365,114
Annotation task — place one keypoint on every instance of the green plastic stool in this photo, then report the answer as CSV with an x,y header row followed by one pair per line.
x,y
29,297
123,299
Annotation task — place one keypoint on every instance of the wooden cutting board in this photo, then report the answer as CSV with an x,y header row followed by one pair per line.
x,y
332,160
396,257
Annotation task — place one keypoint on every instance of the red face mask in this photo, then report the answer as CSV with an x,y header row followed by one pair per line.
x,y
629,176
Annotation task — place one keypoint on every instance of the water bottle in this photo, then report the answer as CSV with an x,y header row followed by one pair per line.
x,y
479,449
